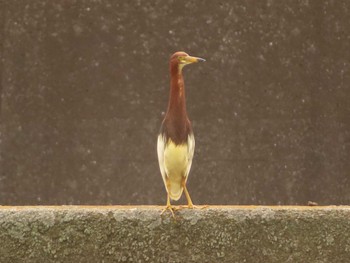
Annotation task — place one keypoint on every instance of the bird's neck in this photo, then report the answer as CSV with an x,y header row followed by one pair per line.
x,y
177,99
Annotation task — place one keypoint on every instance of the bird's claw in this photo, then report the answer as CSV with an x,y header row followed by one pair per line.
x,y
168,207
193,207
188,206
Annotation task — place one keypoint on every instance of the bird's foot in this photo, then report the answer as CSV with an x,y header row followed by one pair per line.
x,y
188,206
168,207
193,206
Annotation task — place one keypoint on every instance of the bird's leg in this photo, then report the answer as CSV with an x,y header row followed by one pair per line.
x,y
189,201
168,206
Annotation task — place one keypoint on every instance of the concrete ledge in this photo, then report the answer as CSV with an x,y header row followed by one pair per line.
x,y
140,234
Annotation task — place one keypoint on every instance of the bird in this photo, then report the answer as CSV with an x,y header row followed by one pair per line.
x,y
176,143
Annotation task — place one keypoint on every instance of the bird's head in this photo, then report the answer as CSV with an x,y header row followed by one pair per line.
x,y
182,59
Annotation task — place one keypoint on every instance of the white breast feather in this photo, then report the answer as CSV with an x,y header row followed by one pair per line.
x,y
160,151
191,145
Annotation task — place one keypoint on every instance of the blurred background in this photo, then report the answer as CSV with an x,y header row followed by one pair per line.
x,y
85,84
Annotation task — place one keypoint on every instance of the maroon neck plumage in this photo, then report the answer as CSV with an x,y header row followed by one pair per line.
x,y
176,123
177,99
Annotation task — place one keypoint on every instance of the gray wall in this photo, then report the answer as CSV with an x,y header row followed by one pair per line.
x,y
84,85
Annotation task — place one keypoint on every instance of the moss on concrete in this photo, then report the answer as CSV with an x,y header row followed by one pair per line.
x,y
140,234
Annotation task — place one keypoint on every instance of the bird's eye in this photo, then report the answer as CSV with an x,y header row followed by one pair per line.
x,y
181,59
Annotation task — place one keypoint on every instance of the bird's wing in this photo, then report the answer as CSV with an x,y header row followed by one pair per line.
x,y
190,151
160,150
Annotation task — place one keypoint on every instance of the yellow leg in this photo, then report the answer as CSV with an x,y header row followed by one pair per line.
x,y
168,206
189,201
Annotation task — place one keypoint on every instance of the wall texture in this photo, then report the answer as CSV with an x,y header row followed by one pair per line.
x,y
84,85
140,234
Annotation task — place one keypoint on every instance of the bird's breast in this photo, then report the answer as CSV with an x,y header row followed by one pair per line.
x,y
176,159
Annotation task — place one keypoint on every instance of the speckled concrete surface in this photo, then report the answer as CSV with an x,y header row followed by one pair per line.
x,y
141,234
84,85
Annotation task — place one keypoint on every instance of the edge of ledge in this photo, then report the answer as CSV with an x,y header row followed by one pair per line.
x,y
158,207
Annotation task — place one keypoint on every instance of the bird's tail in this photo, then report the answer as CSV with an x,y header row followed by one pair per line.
x,y
175,191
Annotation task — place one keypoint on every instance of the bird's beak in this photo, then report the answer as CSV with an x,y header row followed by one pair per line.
x,y
190,60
